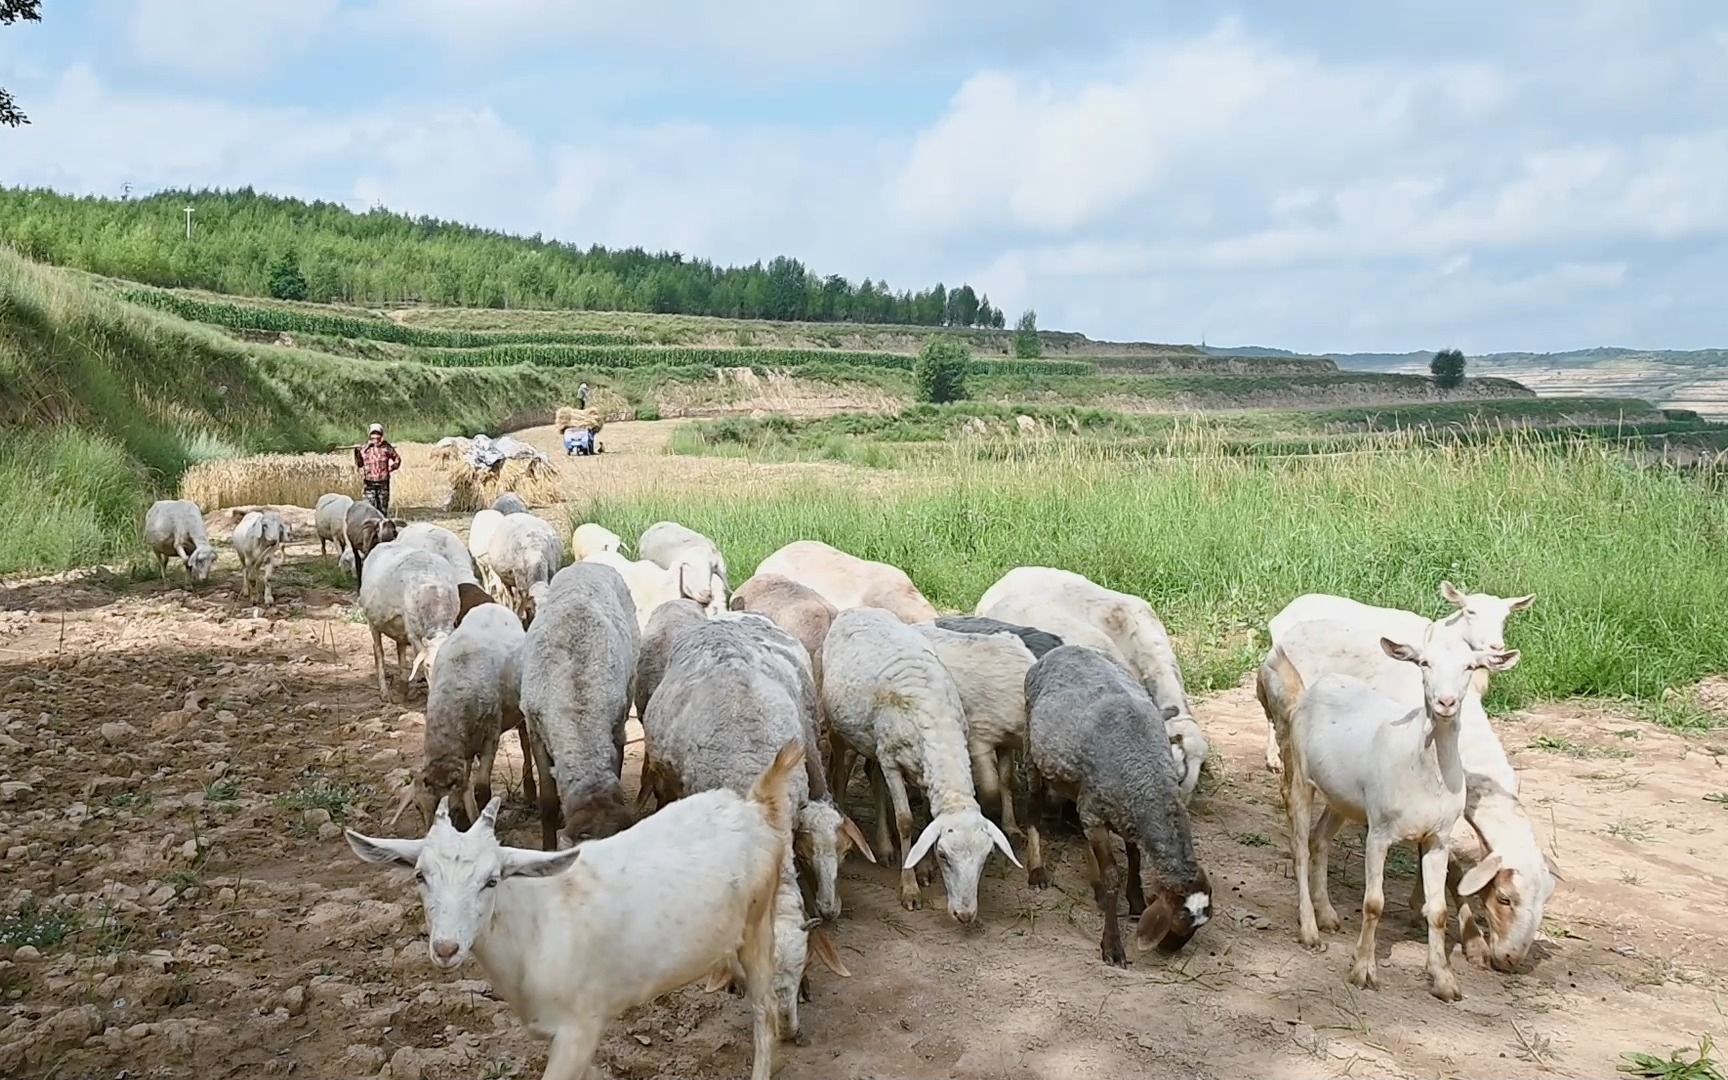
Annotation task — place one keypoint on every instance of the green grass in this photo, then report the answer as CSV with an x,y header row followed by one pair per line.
x,y
30,924
315,792
1676,1066
1219,543
1559,744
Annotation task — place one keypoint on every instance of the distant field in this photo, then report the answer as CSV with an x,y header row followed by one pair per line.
x,y
1696,380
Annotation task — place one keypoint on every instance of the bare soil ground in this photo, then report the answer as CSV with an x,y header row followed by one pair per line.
x,y
174,767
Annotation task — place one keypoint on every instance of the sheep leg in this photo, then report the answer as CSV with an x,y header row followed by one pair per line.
x,y
573,1049
910,896
1274,760
1106,878
482,785
1442,983
378,663
1299,805
528,784
1005,777
1036,875
758,956
402,667
1373,903
884,840
839,773
1319,885
549,815
984,778
162,566
1136,892
323,547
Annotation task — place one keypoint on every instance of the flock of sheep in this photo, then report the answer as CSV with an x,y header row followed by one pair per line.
x,y
757,704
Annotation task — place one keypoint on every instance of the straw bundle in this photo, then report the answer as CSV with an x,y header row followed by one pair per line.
x,y
472,489
580,418
274,479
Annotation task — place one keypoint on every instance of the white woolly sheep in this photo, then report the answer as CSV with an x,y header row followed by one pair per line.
x,y
847,581
439,541
577,667
1098,740
650,585
797,609
572,939
173,528
480,532
890,700
509,503
259,540
329,521
671,545
591,539
1377,760
664,628
989,670
411,597
523,551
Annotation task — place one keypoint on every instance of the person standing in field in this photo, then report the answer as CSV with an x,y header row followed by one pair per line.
x,y
582,396
376,460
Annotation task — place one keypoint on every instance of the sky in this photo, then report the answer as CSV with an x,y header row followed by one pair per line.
x,y
1359,175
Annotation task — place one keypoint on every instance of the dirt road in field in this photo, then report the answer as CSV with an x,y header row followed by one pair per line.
x,y
174,768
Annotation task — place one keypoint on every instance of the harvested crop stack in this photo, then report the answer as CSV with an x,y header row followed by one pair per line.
x,y
474,487
273,479
450,448
578,418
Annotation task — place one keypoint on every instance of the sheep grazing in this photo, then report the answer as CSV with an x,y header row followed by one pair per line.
x,y
329,521
665,627
1036,641
259,540
413,598
472,698
577,666
1097,738
847,581
523,551
480,533
173,528
591,539
439,541
671,545
796,609
1378,760
364,529
1121,626
990,672
1513,897
722,710
572,939
650,584
890,700
1480,620
509,503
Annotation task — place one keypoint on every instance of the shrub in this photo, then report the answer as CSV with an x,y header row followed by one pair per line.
x,y
1447,368
1026,343
939,375
286,281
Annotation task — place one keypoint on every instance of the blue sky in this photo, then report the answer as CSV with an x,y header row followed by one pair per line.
x,y
1323,177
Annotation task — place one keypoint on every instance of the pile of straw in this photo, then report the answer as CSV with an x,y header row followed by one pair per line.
x,y
579,418
473,488
272,479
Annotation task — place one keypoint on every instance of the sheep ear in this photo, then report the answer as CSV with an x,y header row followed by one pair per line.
x,y
1477,877
1449,592
1155,921
1001,841
823,946
1553,868
406,852
1502,661
852,832
1171,712
520,862
1406,653
926,840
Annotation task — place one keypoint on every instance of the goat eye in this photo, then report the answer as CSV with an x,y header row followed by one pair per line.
x,y
420,876
1505,901
1422,663
491,883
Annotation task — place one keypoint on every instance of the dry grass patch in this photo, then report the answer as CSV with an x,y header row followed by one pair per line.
x,y
274,479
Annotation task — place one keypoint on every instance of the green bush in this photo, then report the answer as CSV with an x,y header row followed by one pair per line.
x,y
286,281
1026,343
939,375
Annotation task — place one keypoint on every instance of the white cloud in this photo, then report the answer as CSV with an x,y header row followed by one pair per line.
x,y
224,38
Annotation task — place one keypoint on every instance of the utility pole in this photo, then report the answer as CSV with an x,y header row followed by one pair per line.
x,y
189,210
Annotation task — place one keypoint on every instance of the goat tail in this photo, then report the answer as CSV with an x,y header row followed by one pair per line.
x,y
772,790
1278,686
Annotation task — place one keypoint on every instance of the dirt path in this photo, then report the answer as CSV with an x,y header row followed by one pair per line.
x,y
170,763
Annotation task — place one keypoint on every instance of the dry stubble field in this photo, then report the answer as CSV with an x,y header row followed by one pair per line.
x,y
170,759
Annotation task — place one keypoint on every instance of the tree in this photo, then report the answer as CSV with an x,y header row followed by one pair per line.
x,y
986,314
939,373
286,281
1447,368
962,306
1026,343
12,11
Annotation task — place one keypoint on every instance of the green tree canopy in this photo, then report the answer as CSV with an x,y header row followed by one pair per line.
x,y
1447,368
12,11
939,373
286,281
1026,343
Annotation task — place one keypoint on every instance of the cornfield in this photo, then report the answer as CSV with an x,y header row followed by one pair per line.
x,y
639,356
274,479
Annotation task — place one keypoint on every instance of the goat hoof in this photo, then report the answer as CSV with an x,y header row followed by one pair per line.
x,y
1329,921
1311,940
1115,957
1446,989
1362,975
911,903
1038,877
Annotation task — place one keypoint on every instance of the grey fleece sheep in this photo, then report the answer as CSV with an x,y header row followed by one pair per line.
x,y
577,666
668,623
413,598
510,503
523,551
364,528
1098,739
475,696
1033,638
173,528
797,609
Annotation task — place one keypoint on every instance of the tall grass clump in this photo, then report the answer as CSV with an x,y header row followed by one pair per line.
x,y
67,498
1625,562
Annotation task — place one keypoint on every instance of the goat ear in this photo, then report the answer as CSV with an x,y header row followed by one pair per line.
x,y
926,840
736,603
850,830
1502,661
1449,592
1521,602
1406,653
823,946
1477,877
369,849
1001,841
520,862
1155,921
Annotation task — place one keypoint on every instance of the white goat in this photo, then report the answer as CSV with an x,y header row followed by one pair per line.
x,y
329,521
1377,760
671,545
173,528
259,540
1480,620
1512,898
439,541
846,581
573,938
1082,612
412,597
651,585
590,539
890,700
